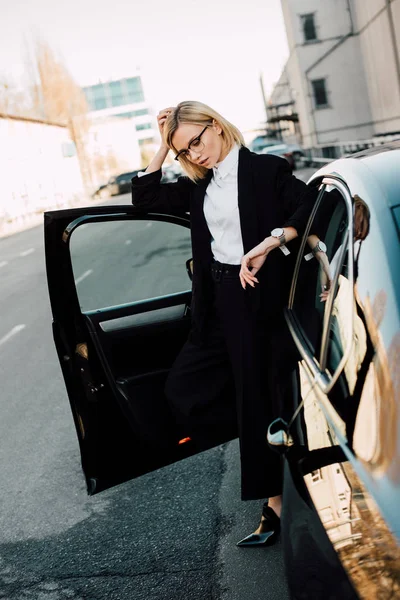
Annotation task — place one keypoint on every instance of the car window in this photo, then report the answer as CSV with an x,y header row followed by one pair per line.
x,y
365,318
119,262
316,282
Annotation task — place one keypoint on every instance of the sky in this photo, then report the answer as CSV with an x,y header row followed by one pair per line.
x,y
209,50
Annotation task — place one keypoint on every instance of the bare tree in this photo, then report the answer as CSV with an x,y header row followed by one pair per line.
x,y
61,97
62,100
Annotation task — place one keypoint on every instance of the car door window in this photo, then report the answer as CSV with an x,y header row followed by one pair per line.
x,y
122,261
316,279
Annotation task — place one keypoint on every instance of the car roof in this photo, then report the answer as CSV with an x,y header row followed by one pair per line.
x,y
394,145
274,148
374,166
126,173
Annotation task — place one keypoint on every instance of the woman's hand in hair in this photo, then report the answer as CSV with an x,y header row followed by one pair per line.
x,y
254,260
161,118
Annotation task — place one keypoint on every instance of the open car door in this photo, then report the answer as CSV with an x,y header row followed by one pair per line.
x,y
120,297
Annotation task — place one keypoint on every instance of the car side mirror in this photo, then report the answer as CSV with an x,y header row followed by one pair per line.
x,y
279,437
189,268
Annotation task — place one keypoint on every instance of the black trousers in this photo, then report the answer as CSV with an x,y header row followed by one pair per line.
x,y
232,384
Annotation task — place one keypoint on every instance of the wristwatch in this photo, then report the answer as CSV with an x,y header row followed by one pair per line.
x,y
319,247
279,233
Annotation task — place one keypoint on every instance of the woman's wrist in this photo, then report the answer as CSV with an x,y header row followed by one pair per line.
x,y
158,160
271,243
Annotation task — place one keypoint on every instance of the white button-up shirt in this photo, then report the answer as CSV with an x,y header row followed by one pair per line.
x,y
221,210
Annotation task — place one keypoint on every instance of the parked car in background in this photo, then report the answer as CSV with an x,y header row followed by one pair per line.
x,y
290,152
101,193
171,172
261,142
121,184
118,332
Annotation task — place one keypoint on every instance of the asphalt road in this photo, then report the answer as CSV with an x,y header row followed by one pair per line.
x,y
169,535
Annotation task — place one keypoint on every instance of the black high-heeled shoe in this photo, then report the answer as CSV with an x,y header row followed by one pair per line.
x,y
267,532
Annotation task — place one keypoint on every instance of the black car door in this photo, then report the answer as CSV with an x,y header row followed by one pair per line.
x,y
120,297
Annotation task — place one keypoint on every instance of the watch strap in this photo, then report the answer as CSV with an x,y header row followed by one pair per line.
x,y
282,242
317,248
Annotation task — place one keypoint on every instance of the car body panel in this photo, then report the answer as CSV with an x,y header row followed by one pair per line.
x,y
357,498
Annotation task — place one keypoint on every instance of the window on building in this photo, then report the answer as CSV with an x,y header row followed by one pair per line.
x,y
309,29
133,113
134,89
99,96
117,98
316,476
141,126
89,97
319,91
100,103
125,114
141,112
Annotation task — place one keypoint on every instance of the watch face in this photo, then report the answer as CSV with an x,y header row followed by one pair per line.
x,y
322,246
277,232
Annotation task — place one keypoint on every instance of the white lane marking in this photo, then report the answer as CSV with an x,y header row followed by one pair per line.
x,y
11,333
26,252
127,242
83,276
3,263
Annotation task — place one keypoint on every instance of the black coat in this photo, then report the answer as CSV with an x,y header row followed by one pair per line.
x,y
269,196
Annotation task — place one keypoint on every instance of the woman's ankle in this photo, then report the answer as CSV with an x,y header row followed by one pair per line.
x,y
276,504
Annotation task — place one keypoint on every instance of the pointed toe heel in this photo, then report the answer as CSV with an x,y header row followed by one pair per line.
x,y
267,532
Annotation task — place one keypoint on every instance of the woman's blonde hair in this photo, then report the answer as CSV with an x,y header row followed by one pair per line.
x,y
197,113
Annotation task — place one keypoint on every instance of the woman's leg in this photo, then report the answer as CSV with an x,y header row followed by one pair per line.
x,y
255,378
200,390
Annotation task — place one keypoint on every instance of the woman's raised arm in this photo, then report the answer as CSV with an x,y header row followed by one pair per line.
x,y
147,190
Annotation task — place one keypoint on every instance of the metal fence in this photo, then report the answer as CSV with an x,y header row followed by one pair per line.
x,y
326,153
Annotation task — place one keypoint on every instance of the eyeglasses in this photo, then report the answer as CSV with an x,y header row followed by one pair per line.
x,y
196,145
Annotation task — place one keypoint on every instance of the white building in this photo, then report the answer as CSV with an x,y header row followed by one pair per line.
x,y
342,79
117,103
40,170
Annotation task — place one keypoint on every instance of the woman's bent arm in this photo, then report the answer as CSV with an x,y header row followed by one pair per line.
x,y
149,193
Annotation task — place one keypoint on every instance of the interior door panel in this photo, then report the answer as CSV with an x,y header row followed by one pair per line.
x,y
138,350
144,337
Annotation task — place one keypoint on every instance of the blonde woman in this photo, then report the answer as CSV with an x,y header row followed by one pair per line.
x,y
244,208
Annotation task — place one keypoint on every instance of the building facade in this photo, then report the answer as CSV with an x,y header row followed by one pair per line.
x,y
40,171
113,107
342,78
